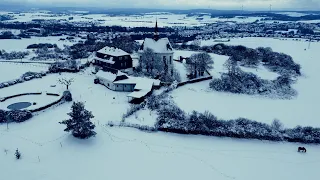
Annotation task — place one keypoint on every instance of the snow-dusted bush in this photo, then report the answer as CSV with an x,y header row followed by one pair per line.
x,y
19,115
3,116
238,81
303,134
17,154
41,45
14,55
170,116
29,74
67,96
63,66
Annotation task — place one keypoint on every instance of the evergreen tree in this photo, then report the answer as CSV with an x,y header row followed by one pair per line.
x,y
17,154
79,122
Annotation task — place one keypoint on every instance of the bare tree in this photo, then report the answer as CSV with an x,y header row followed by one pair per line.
x,y
66,82
198,63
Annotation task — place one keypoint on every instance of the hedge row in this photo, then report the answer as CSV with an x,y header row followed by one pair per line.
x,y
25,77
17,95
172,119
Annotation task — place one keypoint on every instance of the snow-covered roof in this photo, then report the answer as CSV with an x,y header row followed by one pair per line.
x,y
161,46
144,84
138,94
113,51
109,76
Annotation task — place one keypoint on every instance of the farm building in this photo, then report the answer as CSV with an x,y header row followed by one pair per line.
x,y
113,58
118,81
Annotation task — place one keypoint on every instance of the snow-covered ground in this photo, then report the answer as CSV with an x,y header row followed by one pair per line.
x,y
49,153
11,71
302,110
97,97
22,44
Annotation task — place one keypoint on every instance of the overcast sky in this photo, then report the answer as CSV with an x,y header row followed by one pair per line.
x,y
181,4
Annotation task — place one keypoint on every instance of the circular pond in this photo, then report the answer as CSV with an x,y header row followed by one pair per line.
x,y
19,105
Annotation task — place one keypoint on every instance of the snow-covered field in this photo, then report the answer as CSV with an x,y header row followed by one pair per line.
x,y
302,110
145,20
11,71
48,153
22,44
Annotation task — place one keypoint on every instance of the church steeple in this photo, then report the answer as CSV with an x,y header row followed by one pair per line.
x,y
156,32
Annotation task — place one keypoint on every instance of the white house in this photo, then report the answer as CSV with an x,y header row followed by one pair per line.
x,y
111,81
162,47
118,81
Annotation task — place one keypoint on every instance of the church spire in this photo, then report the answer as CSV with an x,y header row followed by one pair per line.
x,y
156,32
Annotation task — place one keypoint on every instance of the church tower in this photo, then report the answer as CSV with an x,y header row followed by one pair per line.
x,y
156,32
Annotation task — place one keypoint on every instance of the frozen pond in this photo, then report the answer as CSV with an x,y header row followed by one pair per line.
x,y
19,105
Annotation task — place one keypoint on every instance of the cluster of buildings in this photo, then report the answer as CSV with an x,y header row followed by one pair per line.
x,y
115,62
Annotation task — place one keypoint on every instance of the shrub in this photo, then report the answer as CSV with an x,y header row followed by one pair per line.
x,y
171,117
19,115
14,55
67,96
17,154
3,115
68,65
41,45
29,74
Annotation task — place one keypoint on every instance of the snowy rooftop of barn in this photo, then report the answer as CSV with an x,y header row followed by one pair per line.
x,y
161,46
113,51
108,75
143,85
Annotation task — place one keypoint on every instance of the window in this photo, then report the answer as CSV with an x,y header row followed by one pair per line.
x,y
120,58
165,60
121,65
125,64
117,85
